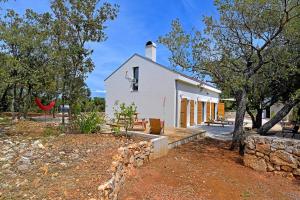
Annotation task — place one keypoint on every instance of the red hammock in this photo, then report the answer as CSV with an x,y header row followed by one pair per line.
x,y
41,106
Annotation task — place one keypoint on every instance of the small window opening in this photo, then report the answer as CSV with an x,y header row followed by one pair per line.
x,y
135,85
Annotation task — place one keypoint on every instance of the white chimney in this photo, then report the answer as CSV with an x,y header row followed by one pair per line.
x,y
151,50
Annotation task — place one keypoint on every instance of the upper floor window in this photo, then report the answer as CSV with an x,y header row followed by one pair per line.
x,y
135,85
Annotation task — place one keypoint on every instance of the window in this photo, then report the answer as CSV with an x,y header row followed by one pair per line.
x,y
135,85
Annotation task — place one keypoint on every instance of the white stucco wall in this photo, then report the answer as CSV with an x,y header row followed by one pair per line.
x,y
155,85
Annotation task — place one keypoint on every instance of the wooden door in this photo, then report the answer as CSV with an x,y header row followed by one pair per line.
x,y
183,113
199,112
208,111
192,112
221,110
213,111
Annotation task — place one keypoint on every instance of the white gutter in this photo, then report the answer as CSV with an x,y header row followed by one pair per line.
x,y
196,83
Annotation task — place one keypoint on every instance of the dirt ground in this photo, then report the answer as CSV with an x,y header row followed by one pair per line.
x,y
205,169
41,163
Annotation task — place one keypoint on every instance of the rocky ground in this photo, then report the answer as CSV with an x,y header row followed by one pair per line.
x,y
206,170
39,163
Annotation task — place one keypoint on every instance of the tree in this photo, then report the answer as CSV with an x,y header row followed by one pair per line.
x,y
75,24
279,80
46,54
271,85
24,44
99,103
293,101
247,36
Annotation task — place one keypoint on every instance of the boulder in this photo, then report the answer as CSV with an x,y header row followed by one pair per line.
x,y
284,174
250,143
259,154
296,172
263,148
255,163
270,167
278,144
281,157
286,168
296,151
249,151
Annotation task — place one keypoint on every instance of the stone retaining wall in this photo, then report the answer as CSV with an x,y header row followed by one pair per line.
x,y
134,155
186,139
273,154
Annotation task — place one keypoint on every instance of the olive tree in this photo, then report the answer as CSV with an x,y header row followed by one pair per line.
x,y
234,47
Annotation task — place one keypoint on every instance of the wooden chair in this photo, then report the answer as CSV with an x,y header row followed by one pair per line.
x,y
294,130
156,126
139,125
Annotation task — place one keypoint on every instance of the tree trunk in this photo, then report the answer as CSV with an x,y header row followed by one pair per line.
x,y
27,102
258,120
13,103
3,103
238,133
20,103
279,116
253,119
55,107
63,109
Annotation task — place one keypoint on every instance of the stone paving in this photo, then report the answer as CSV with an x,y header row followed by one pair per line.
x,y
217,131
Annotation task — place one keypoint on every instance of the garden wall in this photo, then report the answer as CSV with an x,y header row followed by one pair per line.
x,y
134,155
273,154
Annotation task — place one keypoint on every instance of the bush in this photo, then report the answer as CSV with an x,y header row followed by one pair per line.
x,y
4,120
124,114
51,131
295,115
89,122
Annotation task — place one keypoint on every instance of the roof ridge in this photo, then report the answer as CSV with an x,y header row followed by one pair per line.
x,y
163,66
182,74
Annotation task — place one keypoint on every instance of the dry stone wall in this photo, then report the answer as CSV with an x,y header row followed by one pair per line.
x,y
273,154
133,155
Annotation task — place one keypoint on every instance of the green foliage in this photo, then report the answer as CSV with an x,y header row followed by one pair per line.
x,y
124,114
89,122
51,131
75,24
295,116
46,54
248,37
246,195
4,120
76,109
99,104
116,130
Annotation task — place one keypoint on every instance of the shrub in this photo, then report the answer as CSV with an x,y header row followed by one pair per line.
x,y
295,114
50,131
125,113
4,120
89,122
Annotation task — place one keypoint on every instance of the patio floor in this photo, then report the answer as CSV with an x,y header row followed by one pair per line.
x,y
218,132
176,134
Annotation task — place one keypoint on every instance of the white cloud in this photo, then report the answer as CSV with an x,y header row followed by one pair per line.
x,y
99,91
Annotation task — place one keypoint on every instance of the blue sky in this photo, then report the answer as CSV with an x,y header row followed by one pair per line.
x,y
138,21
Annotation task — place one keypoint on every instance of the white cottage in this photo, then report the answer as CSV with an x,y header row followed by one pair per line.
x,y
159,92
